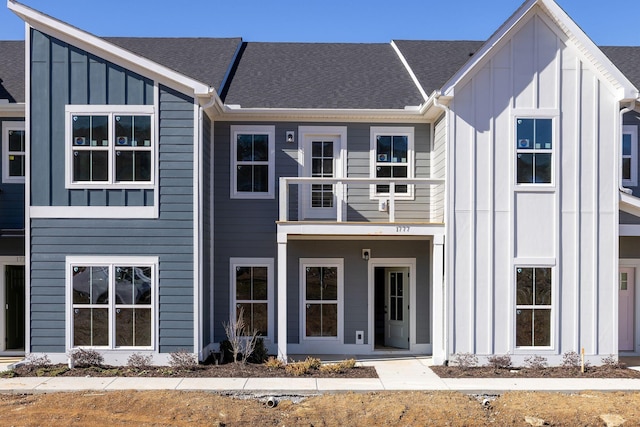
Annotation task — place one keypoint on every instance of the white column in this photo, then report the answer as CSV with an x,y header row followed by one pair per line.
x,y
282,298
439,301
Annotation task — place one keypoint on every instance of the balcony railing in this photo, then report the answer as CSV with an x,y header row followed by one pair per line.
x,y
362,199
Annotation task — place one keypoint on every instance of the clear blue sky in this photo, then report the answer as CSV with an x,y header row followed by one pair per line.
x,y
605,21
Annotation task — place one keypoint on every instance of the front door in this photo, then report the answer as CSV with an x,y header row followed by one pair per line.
x,y
14,307
321,154
626,295
397,307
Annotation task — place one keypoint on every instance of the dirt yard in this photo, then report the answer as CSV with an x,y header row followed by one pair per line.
x,y
172,408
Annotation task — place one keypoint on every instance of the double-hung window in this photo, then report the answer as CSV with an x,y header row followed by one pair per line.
x,y
322,298
13,152
252,162
533,307
112,301
629,168
252,291
392,157
110,146
534,149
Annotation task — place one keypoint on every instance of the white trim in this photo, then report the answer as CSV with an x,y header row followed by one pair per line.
x,y
8,126
629,230
632,263
409,132
198,262
409,263
111,262
110,111
255,262
271,163
633,131
338,263
407,67
126,212
522,114
27,189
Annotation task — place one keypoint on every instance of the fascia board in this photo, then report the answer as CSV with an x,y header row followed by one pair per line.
x,y
232,112
12,109
629,204
107,50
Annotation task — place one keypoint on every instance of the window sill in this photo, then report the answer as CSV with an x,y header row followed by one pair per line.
x,y
534,188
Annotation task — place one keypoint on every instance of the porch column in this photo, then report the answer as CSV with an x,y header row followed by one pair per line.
x,y
439,302
282,297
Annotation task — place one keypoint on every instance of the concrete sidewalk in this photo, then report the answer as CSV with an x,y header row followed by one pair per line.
x,y
410,373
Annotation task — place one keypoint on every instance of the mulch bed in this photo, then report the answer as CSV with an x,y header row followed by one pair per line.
x,y
549,372
228,370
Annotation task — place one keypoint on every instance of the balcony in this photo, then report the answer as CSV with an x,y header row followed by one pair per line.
x,y
360,205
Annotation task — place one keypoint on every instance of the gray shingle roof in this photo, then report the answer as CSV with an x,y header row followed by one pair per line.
x,y
434,62
204,59
12,70
626,59
321,75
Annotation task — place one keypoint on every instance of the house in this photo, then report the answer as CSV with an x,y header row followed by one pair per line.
x,y
416,197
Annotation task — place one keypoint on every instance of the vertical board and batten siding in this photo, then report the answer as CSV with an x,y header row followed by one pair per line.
x,y
496,225
61,75
11,194
170,237
355,309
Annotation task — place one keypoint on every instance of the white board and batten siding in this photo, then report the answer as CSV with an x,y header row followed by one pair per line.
x,y
568,225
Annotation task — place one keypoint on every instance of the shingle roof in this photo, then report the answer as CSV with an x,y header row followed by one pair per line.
x,y
321,75
627,59
12,70
204,59
434,62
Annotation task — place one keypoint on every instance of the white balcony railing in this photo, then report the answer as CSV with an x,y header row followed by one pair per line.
x,y
426,194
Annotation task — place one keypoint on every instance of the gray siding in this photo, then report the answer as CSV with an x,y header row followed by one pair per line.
x,y
170,238
11,195
207,232
439,169
60,75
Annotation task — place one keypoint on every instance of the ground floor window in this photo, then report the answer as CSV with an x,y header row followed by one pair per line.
x,y
533,306
322,298
252,294
112,301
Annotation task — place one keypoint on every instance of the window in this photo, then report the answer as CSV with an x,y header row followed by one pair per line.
x,y
252,291
13,152
629,156
533,307
322,298
252,162
112,303
534,147
110,146
392,157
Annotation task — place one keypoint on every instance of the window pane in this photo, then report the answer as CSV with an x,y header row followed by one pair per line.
x,y
525,168
626,168
383,149
81,130
260,283
99,165
544,135
543,286
313,327
90,327
142,131
243,283
316,149
124,165
16,165
261,178
259,319
16,140
524,327
542,327
329,320
244,178
81,165
400,144
124,285
543,167
626,144
90,285
99,131
125,326
327,149
143,165
524,286
124,130
244,148
260,148
329,283
525,129
142,326
313,283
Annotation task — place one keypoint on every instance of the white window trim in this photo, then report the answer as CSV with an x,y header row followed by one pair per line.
x,y
633,131
553,327
255,262
535,114
111,261
322,262
252,129
409,132
6,127
109,110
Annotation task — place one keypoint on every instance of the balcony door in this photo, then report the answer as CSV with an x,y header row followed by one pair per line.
x,y
321,158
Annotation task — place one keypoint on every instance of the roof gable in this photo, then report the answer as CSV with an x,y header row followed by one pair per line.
x,y
12,71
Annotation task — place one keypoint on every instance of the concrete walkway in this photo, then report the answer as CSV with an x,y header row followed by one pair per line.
x,y
410,373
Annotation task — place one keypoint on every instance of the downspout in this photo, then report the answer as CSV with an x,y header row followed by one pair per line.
x,y
445,293
631,107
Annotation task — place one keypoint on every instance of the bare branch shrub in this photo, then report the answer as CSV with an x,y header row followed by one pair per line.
x,y
612,361
140,361
85,357
38,362
571,360
464,360
535,362
500,362
241,340
182,359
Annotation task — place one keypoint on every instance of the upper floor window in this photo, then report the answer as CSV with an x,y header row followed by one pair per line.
x,y
13,152
534,149
110,146
252,162
392,157
629,156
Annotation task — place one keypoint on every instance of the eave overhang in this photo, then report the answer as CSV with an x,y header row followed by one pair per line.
x,y
408,114
12,109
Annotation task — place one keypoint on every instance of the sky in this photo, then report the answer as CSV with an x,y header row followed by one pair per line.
x,y
349,21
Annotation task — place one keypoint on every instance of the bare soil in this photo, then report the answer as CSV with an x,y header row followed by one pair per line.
x,y
174,408
619,371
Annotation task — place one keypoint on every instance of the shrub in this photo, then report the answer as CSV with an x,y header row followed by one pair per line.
x,y
86,357
242,341
535,362
140,361
304,367
465,360
274,363
339,367
182,359
38,362
570,360
612,361
260,353
226,352
500,362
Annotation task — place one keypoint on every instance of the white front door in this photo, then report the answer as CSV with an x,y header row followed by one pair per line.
x,y
626,295
396,287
